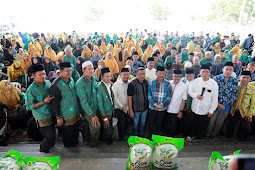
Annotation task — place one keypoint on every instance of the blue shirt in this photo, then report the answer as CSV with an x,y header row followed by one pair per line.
x,y
227,91
159,94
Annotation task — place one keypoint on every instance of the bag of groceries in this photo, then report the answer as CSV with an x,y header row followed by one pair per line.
x,y
45,163
12,160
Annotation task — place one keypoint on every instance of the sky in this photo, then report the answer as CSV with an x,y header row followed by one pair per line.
x,y
56,16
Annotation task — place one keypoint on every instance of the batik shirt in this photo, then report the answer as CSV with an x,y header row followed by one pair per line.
x,y
105,101
35,94
65,103
87,94
227,91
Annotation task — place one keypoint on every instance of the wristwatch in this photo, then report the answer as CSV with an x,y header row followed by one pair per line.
x,y
181,111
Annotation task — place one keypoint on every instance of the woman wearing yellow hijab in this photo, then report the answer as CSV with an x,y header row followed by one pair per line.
x,y
217,48
130,45
49,52
125,44
99,52
111,63
162,49
86,52
34,52
25,61
103,47
157,45
147,53
138,49
37,46
101,65
111,49
236,50
117,45
121,57
14,100
16,73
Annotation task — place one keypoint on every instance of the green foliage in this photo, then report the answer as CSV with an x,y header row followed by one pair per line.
x,y
229,10
159,13
94,14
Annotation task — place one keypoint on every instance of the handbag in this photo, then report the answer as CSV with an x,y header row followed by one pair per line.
x,y
12,113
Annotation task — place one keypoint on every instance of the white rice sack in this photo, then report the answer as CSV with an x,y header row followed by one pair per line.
x,y
40,166
140,156
165,156
9,163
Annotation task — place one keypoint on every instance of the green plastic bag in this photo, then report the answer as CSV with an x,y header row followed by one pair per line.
x,y
42,163
166,151
11,160
140,153
219,162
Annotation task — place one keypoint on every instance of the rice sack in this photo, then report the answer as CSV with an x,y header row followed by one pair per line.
x,y
12,160
219,162
166,151
140,153
42,163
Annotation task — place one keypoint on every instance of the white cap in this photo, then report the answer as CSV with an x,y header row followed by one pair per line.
x,y
188,64
86,63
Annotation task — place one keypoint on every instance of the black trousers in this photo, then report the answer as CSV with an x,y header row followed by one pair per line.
x,y
238,126
188,118
106,133
69,134
122,123
172,122
200,123
49,136
33,131
155,121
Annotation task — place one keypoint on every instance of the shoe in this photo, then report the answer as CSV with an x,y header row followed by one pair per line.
x,y
47,151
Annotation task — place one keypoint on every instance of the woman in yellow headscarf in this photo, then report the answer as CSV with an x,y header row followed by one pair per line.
x,y
97,50
60,56
147,53
125,44
236,50
103,47
140,40
14,100
111,63
41,42
157,45
37,46
130,45
16,73
50,53
121,57
111,49
170,45
117,45
34,52
138,49
162,49
178,46
86,52
217,48
25,61
101,65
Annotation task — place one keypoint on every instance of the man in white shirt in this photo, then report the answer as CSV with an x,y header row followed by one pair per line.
x,y
176,106
150,71
121,102
204,92
187,115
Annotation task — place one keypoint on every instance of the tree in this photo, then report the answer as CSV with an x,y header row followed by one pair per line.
x,y
94,14
238,11
159,13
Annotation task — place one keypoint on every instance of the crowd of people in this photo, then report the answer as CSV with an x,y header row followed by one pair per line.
x,y
191,86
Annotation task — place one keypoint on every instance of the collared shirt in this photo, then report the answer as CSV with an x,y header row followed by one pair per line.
x,y
151,74
35,94
227,91
179,94
120,94
210,96
86,90
189,98
159,94
108,87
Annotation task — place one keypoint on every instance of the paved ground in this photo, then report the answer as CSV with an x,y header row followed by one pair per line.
x,y
194,156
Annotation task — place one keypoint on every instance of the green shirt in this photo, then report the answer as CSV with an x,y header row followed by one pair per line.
x,y
71,59
35,94
149,41
205,61
159,63
87,94
169,59
175,42
226,59
105,102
